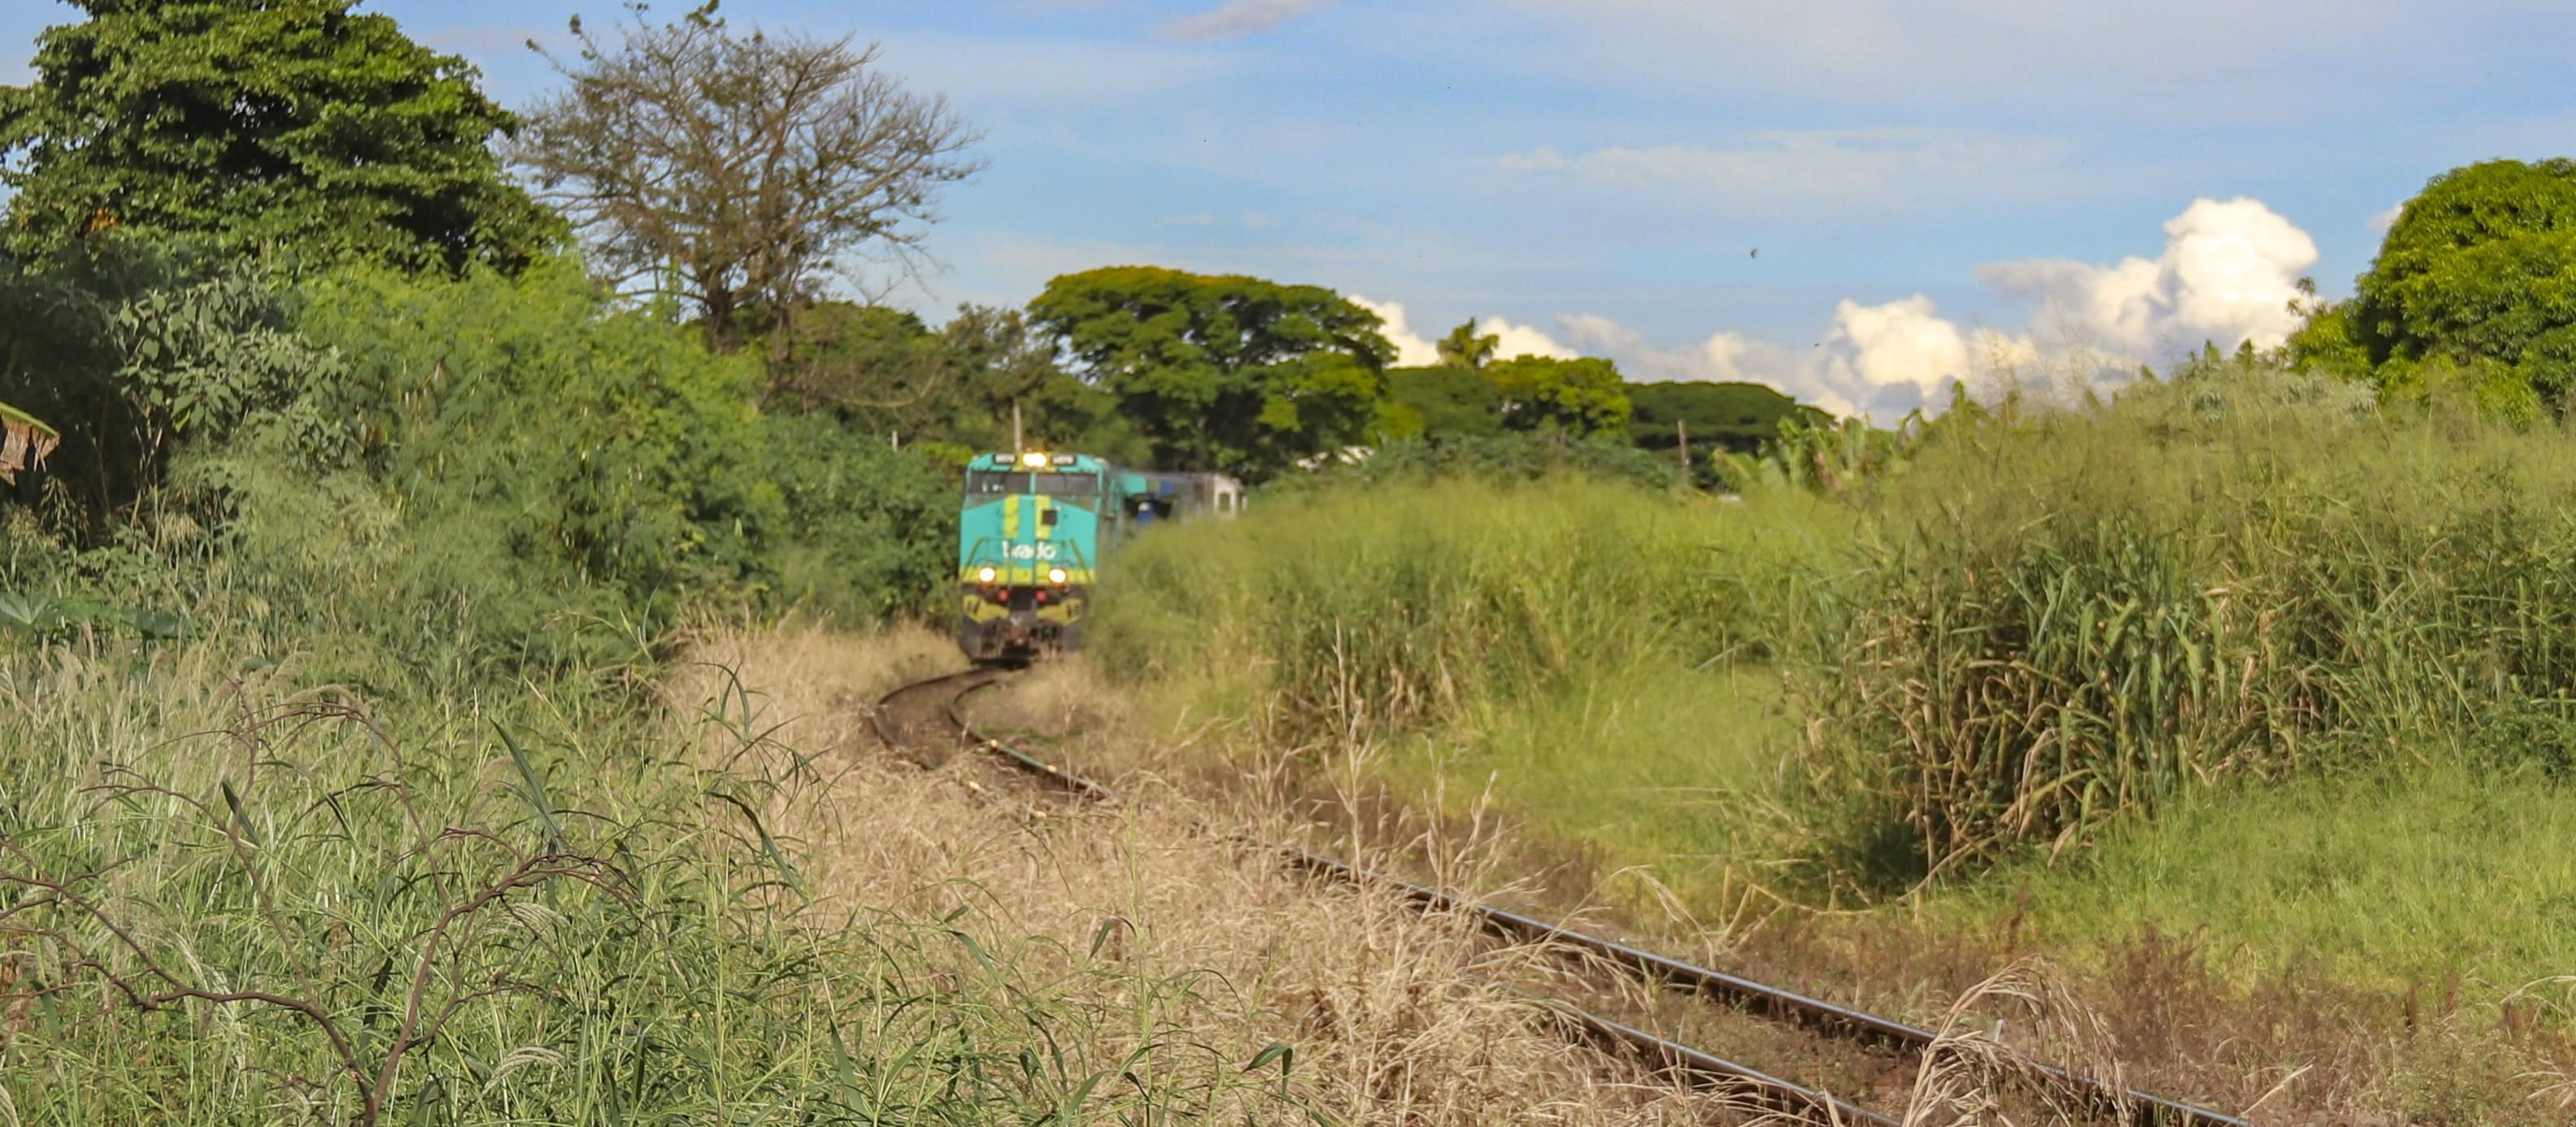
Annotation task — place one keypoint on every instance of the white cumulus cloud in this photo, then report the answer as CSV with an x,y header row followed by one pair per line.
x,y
1413,350
1237,19
2227,274
1876,360
1880,359
1516,341
2229,271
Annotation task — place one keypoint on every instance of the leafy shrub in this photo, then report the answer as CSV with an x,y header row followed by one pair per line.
x,y
609,444
141,348
868,532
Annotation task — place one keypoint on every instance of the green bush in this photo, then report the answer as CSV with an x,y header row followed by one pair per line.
x,y
869,533
143,349
609,444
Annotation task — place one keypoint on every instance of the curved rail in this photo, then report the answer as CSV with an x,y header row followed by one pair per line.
x,y
1814,1015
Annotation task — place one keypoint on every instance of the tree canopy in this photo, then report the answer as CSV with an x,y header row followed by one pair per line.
x,y
1222,372
885,374
2479,271
1464,347
1541,393
270,125
1739,417
1448,399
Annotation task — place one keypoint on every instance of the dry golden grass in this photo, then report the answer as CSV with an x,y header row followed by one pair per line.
x,y
1388,1011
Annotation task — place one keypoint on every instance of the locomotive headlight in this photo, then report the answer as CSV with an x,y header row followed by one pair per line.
x,y
1055,575
986,575
1034,459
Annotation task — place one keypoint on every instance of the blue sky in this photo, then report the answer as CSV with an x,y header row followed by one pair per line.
x,y
1933,185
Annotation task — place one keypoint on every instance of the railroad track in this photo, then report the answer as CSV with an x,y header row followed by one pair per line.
x,y
927,717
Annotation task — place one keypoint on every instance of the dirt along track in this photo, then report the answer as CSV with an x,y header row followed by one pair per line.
x,y
1869,1057
919,720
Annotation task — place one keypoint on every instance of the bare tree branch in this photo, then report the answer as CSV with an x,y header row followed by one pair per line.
x,y
741,169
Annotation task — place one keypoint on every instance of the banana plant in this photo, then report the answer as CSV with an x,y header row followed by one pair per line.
x,y
24,442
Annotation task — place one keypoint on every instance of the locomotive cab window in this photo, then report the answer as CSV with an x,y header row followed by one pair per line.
x,y
993,483
1068,484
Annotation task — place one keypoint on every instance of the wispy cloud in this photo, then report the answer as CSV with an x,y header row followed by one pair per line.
x,y
1051,71
1820,170
2176,60
1237,19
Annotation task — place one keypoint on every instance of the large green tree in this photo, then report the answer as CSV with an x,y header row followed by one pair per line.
x,y
1540,393
886,375
1739,417
1222,372
1448,399
285,125
2478,273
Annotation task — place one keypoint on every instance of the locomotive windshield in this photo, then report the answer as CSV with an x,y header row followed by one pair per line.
x,y
1002,482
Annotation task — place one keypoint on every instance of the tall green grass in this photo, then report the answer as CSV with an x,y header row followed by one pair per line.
x,y
1374,613
2064,618
1599,655
2394,879
2037,623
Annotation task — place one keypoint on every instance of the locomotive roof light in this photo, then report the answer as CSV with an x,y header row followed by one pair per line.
x,y
1034,459
986,575
1055,575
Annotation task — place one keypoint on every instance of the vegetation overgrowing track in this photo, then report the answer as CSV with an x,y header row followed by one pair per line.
x,y
926,719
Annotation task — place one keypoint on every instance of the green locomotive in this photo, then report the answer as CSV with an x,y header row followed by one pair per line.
x,y
1031,534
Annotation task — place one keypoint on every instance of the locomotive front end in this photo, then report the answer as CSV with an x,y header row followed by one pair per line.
x,y
1029,540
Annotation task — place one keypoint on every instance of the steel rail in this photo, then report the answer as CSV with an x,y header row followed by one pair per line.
x,y
1784,1006
1673,1057
885,704
1787,1007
